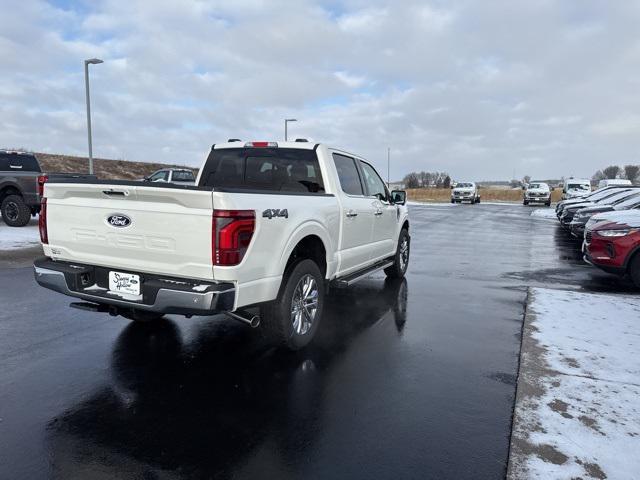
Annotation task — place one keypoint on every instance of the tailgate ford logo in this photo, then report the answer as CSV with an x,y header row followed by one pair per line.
x,y
118,220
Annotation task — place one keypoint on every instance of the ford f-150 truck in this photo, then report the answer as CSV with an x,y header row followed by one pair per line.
x,y
263,234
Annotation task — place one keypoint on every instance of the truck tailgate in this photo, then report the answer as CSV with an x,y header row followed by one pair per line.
x,y
133,228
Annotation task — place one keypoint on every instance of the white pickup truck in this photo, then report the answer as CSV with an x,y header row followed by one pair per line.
x,y
263,234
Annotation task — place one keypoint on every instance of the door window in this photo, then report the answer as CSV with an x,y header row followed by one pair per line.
x,y
160,176
375,185
348,175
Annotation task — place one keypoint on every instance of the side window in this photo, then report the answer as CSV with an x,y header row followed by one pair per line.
x,y
375,185
348,174
160,176
182,176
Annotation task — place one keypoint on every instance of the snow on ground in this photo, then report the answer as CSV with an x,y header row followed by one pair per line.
x,y
14,238
544,213
577,409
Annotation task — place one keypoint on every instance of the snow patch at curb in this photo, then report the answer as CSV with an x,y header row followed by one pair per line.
x,y
578,400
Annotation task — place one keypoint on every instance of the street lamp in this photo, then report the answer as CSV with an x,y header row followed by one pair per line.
x,y
286,121
92,61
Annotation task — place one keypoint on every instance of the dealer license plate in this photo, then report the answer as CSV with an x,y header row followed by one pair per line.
x,y
124,283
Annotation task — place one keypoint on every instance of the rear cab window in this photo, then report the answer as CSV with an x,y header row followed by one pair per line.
x,y
15,162
264,169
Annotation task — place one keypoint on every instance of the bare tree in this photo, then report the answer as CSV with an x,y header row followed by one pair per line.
x,y
631,172
411,180
611,171
526,179
447,182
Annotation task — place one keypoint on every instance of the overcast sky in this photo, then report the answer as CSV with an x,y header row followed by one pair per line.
x,y
481,89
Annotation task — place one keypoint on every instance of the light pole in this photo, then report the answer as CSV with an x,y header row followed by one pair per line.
x,y
286,121
92,61
388,165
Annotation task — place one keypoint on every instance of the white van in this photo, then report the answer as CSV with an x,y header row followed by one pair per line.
x,y
576,187
607,182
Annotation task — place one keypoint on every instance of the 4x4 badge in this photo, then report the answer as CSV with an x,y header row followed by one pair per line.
x,y
275,212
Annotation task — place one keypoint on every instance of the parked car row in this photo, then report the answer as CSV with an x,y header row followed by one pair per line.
x,y
608,222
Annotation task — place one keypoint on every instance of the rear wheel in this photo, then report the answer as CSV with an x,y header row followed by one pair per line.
x,y
292,319
401,260
634,270
14,211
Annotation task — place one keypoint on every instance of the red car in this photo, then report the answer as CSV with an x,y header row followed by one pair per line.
x,y
612,243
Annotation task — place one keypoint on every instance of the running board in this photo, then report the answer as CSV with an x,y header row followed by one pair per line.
x,y
352,278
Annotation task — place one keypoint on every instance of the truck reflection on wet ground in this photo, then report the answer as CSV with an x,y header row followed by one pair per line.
x,y
206,406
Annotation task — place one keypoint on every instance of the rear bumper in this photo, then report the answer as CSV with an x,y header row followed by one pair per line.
x,y
158,293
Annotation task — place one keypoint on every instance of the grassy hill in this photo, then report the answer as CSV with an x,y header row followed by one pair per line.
x,y
104,168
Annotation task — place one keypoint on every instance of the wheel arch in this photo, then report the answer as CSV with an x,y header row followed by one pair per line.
x,y
311,240
9,189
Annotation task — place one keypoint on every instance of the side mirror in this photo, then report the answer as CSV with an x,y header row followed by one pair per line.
x,y
398,197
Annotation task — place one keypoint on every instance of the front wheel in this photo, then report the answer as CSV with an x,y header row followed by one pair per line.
x,y
401,259
292,319
525,202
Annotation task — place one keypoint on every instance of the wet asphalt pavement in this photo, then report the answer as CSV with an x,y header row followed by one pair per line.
x,y
412,379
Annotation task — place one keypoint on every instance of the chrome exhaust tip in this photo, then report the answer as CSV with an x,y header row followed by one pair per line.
x,y
252,320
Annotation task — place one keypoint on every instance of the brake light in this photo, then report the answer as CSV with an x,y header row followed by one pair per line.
x,y
261,145
42,222
42,179
231,235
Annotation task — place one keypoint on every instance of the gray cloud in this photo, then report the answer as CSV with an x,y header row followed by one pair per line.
x,y
480,89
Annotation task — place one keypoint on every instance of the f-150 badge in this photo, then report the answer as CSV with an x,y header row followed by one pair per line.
x,y
275,212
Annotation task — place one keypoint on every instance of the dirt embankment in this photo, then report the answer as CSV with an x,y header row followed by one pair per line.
x,y
486,194
104,168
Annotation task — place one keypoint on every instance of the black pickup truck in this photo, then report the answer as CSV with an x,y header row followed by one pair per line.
x,y
21,186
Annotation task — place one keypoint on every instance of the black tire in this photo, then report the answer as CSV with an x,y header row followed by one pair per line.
x,y
478,200
634,269
140,316
277,322
15,212
525,202
401,262
548,204
453,201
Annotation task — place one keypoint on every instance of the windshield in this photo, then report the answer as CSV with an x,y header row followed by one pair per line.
x,y
578,186
628,202
615,196
538,185
464,185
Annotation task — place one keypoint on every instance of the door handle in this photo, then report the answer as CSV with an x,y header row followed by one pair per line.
x,y
378,213
351,213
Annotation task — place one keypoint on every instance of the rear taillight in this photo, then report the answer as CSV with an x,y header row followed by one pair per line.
x,y
42,179
42,222
231,235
